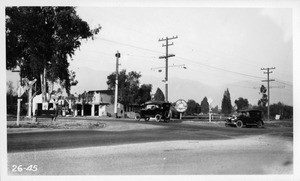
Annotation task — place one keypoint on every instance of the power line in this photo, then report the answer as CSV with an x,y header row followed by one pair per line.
x,y
199,63
129,45
257,77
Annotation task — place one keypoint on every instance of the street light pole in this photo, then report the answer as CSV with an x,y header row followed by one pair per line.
x,y
118,55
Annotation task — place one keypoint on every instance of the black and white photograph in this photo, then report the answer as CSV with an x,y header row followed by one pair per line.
x,y
133,90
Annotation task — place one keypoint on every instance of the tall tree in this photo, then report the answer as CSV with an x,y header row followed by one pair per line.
x,y
226,103
191,107
198,108
204,105
128,87
159,95
41,40
144,93
241,103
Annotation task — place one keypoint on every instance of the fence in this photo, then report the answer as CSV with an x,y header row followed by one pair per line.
x,y
205,117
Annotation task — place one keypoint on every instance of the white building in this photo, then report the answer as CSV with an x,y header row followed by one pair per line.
x,y
99,105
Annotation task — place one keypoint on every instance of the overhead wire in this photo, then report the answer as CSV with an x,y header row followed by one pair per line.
x,y
182,58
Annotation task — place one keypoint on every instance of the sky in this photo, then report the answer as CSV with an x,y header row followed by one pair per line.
x,y
217,45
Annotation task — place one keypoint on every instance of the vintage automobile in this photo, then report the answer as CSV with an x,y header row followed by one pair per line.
x,y
159,110
249,117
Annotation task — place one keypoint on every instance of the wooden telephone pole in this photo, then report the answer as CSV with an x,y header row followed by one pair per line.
x,y
166,57
268,80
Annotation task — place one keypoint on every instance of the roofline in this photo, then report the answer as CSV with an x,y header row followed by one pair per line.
x,y
101,91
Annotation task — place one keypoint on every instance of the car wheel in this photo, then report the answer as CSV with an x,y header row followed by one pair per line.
x,y
239,124
147,119
137,116
158,117
168,115
259,124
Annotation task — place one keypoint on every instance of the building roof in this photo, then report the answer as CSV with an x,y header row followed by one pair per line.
x,y
108,92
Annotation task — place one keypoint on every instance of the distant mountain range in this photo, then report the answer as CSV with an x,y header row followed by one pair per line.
x,y
179,88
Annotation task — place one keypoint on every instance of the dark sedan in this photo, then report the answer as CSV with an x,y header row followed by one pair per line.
x,y
159,110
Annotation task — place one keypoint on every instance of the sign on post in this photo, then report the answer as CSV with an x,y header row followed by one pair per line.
x,y
181,106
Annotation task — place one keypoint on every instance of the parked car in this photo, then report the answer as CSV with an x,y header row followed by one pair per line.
x,y
160,110
249,117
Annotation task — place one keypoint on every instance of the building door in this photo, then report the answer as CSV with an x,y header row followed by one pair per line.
x,y
39,106
87,110
96,110
79,108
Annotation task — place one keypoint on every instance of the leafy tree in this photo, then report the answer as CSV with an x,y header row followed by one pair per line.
x,y
226,103
215,109
264,100
285,112
198,108
128,86
191,107
42,39
159,95
241,103
204,105
144,93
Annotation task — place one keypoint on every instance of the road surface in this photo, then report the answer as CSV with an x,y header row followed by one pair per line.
x,y
126,147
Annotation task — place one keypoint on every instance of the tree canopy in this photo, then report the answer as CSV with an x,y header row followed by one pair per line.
x,y
129,90
241,103
159,95
192,107
204,105
144,93
285,111
226,103
39,38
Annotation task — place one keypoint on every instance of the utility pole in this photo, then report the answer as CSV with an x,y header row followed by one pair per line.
x,y
118,55
166,57
268,80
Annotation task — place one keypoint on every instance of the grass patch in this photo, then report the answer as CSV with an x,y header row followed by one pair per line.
x,y
73,124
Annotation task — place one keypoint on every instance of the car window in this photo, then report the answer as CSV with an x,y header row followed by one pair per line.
x,y
247,114
151,106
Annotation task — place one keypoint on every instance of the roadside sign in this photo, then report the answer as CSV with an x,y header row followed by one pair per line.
x,y
181,105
